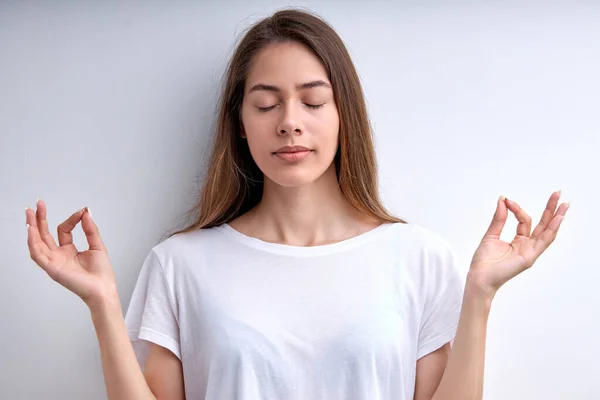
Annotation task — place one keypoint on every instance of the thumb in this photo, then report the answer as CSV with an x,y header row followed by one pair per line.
x,y
91,231
498,220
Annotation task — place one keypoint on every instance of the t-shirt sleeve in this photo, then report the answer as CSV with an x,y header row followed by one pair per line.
x,y
444,288
152,313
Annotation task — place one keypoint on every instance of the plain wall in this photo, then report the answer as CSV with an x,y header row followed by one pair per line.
x,y
111,105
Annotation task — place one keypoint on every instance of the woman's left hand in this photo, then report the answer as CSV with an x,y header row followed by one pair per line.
x,y
496,262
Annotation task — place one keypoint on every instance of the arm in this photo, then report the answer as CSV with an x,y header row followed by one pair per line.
x,y
429,372
90,276
162,377
457,372
122,374
494,263
164,373
462,378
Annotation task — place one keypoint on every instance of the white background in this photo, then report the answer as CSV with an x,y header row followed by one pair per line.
x,y
111,104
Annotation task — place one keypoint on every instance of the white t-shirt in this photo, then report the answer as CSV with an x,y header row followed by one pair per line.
x,y
251,319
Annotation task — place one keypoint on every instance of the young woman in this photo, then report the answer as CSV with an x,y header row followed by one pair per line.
x,y
294,282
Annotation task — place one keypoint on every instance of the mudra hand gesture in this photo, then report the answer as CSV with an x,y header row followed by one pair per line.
x,y
86,273
496,262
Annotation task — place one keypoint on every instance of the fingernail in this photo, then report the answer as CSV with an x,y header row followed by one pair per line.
x,y
502,198
89,212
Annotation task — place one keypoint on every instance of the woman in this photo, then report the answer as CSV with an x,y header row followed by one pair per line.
x,y
294,282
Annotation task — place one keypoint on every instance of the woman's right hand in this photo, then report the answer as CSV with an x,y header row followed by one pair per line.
x,y
89,273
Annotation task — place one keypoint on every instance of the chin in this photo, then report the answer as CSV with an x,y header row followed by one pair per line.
x,y
293,178
295,175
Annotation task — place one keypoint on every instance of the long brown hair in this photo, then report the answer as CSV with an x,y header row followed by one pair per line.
x,y
234,183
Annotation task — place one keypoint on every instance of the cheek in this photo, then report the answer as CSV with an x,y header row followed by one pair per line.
x,y
256,126
259,135
329,126
258,132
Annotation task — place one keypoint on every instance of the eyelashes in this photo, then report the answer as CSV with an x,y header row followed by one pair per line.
x,y
312,106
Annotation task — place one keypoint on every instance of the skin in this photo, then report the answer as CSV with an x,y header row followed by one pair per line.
x,y
302,205
494,263
302,202
305,207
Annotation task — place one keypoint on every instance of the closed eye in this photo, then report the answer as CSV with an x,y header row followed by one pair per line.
x,y
313,106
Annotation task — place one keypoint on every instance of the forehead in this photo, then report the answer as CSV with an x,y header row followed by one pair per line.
x,y
285,65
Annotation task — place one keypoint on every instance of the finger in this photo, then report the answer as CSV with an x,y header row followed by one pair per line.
x,y
498,220
547,215
43,225
38,250
524,226
91,231
549,234
65,230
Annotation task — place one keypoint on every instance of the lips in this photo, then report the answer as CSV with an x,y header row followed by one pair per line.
x,y
293,156
291,149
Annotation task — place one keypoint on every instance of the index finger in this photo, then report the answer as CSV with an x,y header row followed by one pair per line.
x,y
64,230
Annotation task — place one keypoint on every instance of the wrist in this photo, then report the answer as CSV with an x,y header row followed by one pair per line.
x,y
108,301
476,289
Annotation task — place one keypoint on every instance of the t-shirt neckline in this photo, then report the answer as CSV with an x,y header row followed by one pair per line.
x,y
302,251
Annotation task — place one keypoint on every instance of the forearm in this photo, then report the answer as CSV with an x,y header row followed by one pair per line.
x,y
123,376
463,376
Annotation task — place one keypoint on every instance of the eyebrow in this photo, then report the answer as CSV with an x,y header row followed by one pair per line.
x,y
307,85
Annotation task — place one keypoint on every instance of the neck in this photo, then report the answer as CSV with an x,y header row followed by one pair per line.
x,y
308,215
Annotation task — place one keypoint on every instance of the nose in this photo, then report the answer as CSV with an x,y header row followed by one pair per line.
x,y
289,121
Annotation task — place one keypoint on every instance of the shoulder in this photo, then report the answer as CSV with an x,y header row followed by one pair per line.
x,y
420,239
188,247
423,254
433,240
